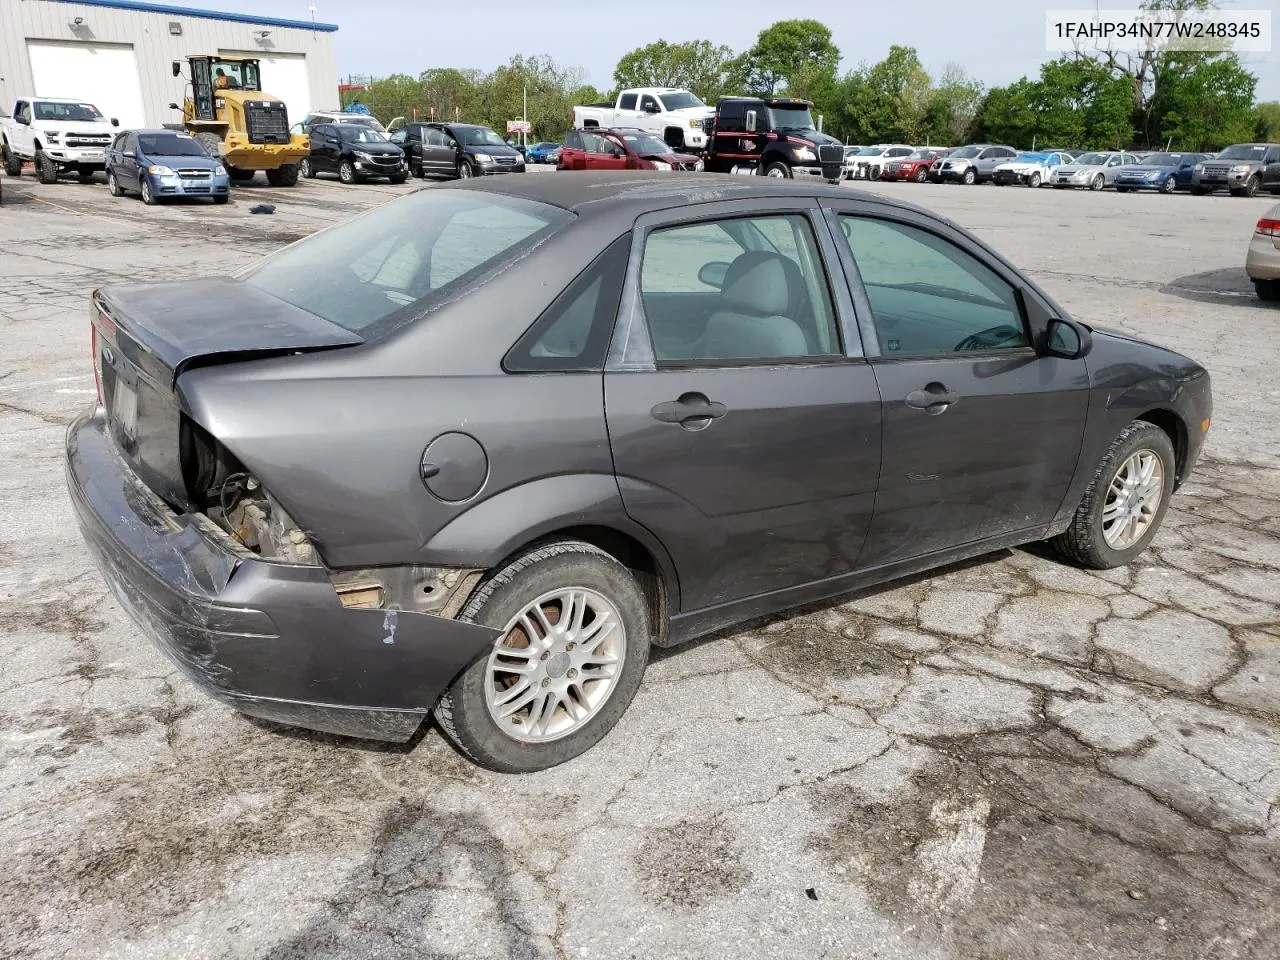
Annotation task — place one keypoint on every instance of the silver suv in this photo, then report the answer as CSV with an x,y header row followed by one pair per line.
x,y
971,164
1242,169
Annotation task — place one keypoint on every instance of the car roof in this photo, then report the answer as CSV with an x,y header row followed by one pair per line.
x,y
593,192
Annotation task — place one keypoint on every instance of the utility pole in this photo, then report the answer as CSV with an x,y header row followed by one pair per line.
x,y
525,116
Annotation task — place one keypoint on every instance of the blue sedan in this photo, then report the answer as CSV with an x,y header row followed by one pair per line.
x,y
1165,172
545,152
164,163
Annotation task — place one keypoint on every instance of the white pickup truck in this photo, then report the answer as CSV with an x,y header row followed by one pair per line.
x,y
57,137
675,116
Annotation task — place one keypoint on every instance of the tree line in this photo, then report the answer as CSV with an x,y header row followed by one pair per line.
x,y
1092,100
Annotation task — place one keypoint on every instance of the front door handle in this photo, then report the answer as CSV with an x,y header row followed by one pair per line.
x,y
933,399
693,411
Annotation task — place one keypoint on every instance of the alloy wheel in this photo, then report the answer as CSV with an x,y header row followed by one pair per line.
x,y
1133,499
556,665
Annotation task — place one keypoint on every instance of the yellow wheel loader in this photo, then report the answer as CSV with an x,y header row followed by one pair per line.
x,y
226,110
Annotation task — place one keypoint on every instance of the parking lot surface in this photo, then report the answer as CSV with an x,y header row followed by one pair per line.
x,y
1010,759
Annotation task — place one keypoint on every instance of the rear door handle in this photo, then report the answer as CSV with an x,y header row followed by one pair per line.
x,y
693,411
933,399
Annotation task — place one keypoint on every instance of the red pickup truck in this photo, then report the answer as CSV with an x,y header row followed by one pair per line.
x,y
620,148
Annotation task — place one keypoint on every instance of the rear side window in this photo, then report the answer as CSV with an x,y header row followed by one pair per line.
x,y
573,140
628,102
573,333
383,269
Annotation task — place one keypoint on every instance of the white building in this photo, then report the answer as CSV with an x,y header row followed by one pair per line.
x,y
117,55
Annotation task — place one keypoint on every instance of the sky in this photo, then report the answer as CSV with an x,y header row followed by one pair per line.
x,y
995,41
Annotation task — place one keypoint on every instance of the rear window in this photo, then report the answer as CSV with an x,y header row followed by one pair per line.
x,y
378,272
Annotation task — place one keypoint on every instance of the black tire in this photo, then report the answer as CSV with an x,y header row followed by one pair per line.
x,y
970,177
1268,290
148,197
1122,189
776,169
673,137
211,142
1251,186
285,175
1098,182
1083,543
113,185
399,177
1060,186
464,170
1198,191
221,198
305,169
462,711
46,168
240,176
86,176
12,163
1170,184
921,175
1033,180
347,172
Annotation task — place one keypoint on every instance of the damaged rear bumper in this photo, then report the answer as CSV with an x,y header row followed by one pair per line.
x,y
270,639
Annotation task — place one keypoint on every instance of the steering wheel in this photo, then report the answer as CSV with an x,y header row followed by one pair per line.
x,y
991,338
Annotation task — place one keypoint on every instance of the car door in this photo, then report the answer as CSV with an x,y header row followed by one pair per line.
x,y
130,171
627,110
21,129
981,432
604,152
647,117
323,137
744,424
1271,168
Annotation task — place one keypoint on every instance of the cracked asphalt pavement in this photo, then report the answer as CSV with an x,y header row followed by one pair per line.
x,y
1011,758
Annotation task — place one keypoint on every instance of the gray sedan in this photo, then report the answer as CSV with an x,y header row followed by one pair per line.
x,y
1093,170
476,452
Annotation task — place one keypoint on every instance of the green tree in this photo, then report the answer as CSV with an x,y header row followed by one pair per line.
x,y
1008,114
698,65
1266,122
1205,104
787,51
953,104
393,96
447,93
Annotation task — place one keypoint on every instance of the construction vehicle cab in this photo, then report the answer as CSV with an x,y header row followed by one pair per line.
x,y
227,111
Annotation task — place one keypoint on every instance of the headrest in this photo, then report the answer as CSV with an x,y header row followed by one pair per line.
x,y
756,283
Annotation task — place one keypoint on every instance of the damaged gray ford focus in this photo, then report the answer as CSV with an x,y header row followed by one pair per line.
x,y
474,452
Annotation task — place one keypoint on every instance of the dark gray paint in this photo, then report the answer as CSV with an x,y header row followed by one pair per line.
x,y
816,481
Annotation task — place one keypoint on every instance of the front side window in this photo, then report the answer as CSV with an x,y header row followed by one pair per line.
x,y
744,289
929,297
381,270
648,104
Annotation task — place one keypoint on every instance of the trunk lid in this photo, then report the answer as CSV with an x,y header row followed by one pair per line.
x,y
145,335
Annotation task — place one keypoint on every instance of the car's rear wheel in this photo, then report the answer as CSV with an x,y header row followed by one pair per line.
x,y
574,643
1170,184
1098,182
1268,290
12,162
970,177
1125,502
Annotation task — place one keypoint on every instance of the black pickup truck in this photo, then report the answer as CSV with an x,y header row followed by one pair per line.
x,y
774,138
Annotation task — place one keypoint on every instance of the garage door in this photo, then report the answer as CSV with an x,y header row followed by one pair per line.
x,y
104,74
284,77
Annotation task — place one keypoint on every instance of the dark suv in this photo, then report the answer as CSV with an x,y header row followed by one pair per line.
x,y
1242,169
354,152
456,150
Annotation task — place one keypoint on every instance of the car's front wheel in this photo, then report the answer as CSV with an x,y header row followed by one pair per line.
x,y
346,172
305,169
574,643
1170,184
1033,180
113,185
921,175
1125,502
1098,182
148,197
778,170
969,178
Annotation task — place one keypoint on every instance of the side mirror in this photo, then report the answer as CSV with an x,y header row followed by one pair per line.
x,y
177,68
751,121
174,106
652,108
23,120
713,273
115,122
1067,339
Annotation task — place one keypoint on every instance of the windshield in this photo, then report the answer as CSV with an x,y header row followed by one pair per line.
x,y
358,133
386,268
921,155
1162,160
170,145
83,112
236,75
369,122
680,101
869,152
478,137
791,118
1091,160
1030,158
1243,151
642,144
966,153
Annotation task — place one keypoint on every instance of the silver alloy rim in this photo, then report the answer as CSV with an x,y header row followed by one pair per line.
x,y
345,173
112,185
146,191
1133,499
464,171
556,665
